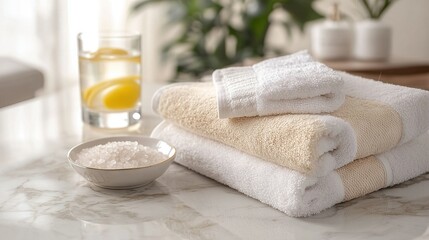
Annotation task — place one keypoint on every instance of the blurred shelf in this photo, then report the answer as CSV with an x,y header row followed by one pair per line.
x,y
403,72
394,66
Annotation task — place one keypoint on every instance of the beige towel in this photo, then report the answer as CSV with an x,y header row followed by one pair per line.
x,y
310,144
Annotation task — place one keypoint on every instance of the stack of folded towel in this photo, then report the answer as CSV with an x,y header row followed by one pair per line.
x,y
295,134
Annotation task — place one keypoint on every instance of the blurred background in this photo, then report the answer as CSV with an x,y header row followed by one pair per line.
x,y
187,39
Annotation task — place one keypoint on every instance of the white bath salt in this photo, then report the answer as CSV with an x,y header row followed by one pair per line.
x,y
117,155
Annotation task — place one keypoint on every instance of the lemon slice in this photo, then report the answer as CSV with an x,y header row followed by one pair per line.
x,y
111,51
112,54
122,96
90,94
104,53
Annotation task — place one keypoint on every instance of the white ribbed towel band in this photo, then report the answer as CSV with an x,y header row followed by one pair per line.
x,y
236,92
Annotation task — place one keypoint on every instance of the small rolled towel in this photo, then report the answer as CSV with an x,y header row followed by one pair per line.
x,y
289,191
290,84
375,118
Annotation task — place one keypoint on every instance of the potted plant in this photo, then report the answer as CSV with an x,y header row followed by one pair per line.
x,y
238,27
373,38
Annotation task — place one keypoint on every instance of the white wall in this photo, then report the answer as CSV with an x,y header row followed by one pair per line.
x,y
410,22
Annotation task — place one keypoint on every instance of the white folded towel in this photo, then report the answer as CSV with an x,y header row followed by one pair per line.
x,y
290,191
290,84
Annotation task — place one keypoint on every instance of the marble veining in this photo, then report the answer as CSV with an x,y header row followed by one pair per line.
x,y
48,199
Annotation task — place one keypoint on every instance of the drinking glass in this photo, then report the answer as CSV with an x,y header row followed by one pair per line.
x,y
110,78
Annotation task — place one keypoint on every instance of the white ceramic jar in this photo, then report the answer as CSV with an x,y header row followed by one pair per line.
x,y
331,40
372,40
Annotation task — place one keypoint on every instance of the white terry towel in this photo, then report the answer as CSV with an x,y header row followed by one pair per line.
x,y
289,191
290,84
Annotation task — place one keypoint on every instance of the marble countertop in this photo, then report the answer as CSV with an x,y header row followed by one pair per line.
x,y
41,197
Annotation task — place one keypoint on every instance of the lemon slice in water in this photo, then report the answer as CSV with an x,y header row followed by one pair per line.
x,y
112,54
103,53
111,51
122,96
91,95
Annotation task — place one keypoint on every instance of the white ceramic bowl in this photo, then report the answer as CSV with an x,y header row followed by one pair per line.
x,y
128,177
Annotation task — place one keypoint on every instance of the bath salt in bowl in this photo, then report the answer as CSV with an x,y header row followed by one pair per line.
x,y
121,162
119,155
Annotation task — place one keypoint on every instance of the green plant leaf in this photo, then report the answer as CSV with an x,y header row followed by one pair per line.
x,y
301,11
378,8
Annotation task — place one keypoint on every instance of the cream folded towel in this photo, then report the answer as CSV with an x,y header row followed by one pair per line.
x,y
375,118
290,84
290,191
